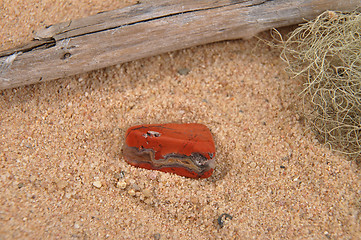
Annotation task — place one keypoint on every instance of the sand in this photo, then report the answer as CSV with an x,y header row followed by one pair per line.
x,y
63,176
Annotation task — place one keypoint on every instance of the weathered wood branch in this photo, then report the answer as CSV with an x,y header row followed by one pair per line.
x,y
148,29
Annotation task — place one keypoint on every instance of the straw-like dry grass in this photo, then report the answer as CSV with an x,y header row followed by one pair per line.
x,y
326,52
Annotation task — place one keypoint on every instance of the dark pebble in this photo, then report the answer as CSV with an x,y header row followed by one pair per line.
x,y
183,71
222,217
156,236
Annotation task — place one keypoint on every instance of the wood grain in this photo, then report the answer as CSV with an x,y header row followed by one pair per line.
x,y
148,29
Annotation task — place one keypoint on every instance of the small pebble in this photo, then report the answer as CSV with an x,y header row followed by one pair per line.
x,y
76,225
68,195
131,192
183,71
153,175
32,178
223,218
122,184
119,175
135,187
147,193
97,184
253,164
148,201
156,236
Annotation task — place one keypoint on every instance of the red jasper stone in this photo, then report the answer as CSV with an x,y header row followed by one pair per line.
x,y
184,149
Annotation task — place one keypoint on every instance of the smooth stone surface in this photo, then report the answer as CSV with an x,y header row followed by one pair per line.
x,y
184,149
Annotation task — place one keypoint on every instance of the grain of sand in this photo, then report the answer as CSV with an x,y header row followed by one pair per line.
x,y
63,176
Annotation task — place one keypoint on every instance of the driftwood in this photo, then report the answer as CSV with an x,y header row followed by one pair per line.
x,y
148,29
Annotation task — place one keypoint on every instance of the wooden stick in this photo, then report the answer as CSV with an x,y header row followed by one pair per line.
x,y
148,29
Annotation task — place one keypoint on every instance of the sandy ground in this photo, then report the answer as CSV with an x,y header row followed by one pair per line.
x,y
63,176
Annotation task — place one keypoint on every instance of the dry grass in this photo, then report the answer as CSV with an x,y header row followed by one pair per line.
x,y
326,52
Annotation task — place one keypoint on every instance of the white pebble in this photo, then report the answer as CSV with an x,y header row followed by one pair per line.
x,y
97,184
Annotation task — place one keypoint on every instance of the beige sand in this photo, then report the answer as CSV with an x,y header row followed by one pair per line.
x,y
62,170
